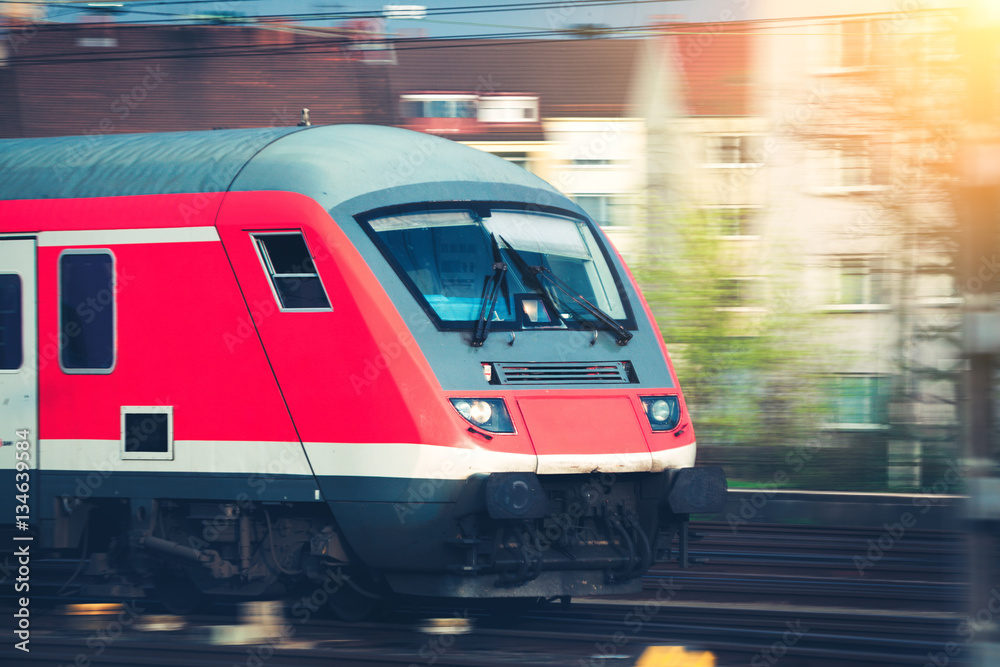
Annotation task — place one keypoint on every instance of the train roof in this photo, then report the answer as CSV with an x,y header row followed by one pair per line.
x,y
330,163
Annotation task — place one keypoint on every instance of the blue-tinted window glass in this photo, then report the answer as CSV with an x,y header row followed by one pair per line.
x,y
413,109
87,311
11,344
466,109
860,400
448,257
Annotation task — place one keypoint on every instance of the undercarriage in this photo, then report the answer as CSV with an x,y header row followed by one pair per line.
x,y
505,535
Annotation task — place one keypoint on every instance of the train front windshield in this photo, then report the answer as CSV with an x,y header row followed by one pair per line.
x,y
527,266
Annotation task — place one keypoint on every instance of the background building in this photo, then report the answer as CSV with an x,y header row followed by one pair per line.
x,y
862,102
798,163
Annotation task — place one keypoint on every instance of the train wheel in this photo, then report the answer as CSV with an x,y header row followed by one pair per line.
x,y
176,591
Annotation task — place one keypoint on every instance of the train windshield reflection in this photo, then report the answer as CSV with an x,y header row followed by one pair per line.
x,y
447,257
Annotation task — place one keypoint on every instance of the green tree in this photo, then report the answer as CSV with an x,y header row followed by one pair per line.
x,y
746,359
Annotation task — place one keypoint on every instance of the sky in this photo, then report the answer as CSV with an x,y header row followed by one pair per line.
x,y
478,17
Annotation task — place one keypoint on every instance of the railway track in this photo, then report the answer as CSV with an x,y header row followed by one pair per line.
x,y
931,558
799,564
586,634
752,594
834,549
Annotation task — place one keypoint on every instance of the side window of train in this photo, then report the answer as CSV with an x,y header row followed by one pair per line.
x,y
147,432
289,265
87,311
11,345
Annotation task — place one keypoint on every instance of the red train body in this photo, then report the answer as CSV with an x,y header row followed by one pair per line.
x,y
240,361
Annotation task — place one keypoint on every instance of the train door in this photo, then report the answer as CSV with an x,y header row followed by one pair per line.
x,y
18,376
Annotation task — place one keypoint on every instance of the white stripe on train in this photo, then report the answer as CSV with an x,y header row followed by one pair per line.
x,y
400,460
92,237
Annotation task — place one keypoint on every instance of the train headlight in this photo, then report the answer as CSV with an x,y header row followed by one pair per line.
x,y
663,412
463,406
489,414
480,412
660,411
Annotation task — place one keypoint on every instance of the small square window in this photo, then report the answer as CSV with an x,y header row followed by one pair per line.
x,y
296,283
147,432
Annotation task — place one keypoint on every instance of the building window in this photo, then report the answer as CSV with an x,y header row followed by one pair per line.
x,y
855,168
147,432
859,282
859,399
735,220
854,48
520,159
11,343
848,163
739,292
293,275
730,149
87,311
605,210
439,107
508,108
450,109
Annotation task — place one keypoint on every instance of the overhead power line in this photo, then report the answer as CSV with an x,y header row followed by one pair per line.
x,y
537,5
336,41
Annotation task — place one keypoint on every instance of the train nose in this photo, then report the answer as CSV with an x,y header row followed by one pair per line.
x,y
583,435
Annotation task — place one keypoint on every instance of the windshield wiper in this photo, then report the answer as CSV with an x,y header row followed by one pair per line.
x,y
541,273
482,329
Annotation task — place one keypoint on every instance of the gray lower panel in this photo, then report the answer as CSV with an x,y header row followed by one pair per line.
x,y
217,486
232,486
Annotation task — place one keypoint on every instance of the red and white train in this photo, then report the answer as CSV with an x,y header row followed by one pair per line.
x,y
243,361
